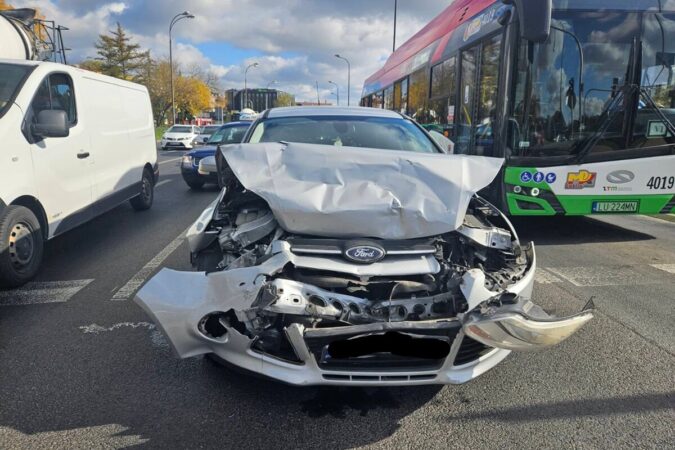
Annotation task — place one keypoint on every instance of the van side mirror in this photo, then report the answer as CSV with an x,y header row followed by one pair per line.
x,y
51,123
534,17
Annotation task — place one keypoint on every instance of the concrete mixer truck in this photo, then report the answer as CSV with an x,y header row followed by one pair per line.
x,y
73,144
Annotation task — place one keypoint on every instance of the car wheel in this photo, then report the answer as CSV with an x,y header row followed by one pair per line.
x,y
196,185
143,200
21,246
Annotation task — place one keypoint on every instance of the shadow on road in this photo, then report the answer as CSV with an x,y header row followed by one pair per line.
x,y
572,230
577,408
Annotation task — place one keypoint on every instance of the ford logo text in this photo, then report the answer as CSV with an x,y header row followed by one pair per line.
x,y
366,254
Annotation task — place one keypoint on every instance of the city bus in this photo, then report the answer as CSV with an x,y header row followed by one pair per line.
x,y
578,97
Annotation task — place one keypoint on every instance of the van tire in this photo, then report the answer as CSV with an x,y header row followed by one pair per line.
x,y
143,201
21,246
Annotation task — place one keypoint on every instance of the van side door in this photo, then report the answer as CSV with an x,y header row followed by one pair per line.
x,y
62,166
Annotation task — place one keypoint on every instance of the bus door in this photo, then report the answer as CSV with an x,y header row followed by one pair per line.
x,y
479,72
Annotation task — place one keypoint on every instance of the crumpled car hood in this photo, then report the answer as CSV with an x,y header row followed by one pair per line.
x,y
345,192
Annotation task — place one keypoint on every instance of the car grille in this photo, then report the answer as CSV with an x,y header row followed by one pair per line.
x,y
470,351
338,246
195,161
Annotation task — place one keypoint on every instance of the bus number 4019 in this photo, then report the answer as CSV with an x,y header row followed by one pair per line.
x,y
661,183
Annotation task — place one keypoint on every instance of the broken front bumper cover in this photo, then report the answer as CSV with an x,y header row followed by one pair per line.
x,y
417,352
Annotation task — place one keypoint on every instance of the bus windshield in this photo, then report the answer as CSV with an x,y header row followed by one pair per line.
x,y
11,77
588,83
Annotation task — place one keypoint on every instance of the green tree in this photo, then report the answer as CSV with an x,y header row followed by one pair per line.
x,y
284,99
120,57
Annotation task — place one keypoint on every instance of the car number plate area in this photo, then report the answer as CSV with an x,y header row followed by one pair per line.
x,y
608,207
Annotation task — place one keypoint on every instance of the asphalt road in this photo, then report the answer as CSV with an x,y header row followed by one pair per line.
x,y
81,366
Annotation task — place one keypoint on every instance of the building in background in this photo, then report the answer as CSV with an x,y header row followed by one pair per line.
x,y
256,99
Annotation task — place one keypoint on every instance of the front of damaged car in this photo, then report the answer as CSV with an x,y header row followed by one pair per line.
x,y
347,249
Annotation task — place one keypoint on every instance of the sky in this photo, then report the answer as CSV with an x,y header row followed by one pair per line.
x,y
293,40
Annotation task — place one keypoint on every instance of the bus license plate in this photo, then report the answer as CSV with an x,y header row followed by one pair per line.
x,y
616,207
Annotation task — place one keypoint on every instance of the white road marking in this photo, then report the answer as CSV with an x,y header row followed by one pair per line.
x,y
543,276
665,267
603,276
42,292
156,336
162,183
126,291
169,160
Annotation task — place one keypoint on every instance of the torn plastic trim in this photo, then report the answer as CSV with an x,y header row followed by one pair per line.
x,y
198,235
475,292
522,326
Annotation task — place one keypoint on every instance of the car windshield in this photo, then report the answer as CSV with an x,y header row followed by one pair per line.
x,y
351,131
180,129
11,77
229,135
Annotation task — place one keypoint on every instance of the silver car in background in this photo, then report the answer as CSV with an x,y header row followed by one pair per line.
x,y
347,248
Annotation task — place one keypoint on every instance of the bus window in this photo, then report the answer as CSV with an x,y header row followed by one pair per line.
x,y
418,94
389,98
467,87
658,77
377,100
555,116
487,101
443,97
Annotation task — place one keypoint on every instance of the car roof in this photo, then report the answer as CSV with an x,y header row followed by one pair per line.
x,y
299,111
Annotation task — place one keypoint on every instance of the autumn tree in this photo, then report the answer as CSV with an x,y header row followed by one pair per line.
x,y
284,99
120,57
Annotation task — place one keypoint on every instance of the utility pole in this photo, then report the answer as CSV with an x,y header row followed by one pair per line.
x,y
349,77
176,18
337,90
395,14
318,99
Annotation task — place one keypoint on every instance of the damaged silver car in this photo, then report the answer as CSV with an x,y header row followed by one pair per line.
x,y
347,248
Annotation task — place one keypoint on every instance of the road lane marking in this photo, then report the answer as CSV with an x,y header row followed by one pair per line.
x,y
38,292
169,160
545,277
603,276
126,291
156,336
162,183
670,268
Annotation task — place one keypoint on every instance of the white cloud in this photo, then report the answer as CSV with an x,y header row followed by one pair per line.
x,y
298,38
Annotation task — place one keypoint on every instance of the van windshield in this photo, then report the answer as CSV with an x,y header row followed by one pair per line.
x,y
180,129
11,77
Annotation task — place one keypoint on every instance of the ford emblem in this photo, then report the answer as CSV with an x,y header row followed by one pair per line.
x,y
364,254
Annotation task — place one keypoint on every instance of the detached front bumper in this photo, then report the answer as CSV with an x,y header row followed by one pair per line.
x,y
444,351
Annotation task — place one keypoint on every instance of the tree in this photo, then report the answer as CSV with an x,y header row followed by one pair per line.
x,y
93,65
284,99
192,96
120,57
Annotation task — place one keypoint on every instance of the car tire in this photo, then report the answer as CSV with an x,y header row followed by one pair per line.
x,y
143,201
21,246
195,185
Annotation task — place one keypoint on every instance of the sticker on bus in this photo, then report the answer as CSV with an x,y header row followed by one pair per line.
x,y
613,206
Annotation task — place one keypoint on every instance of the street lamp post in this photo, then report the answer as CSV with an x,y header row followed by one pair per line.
x,y
267,94
255,64
349,77
176,18
395,14
337,90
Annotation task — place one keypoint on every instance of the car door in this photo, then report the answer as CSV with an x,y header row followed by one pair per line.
x,y
62,166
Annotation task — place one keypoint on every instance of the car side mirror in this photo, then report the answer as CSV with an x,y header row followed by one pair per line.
x,y
534,17
446,144
51,124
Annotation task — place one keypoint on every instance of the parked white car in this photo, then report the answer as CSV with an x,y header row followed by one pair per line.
x,y
206,132
75,144
180,137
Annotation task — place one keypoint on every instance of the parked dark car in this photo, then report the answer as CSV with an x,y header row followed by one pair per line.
x,y
231,133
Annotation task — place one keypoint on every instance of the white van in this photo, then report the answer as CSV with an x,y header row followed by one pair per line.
x,y
73,145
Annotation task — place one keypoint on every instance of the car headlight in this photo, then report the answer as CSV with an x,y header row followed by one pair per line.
x,y
187,159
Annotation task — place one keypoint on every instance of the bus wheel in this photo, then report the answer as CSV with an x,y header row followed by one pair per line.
x,y
21,246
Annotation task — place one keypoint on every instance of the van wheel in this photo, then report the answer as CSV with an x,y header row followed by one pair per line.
x,y
21,246
143,200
